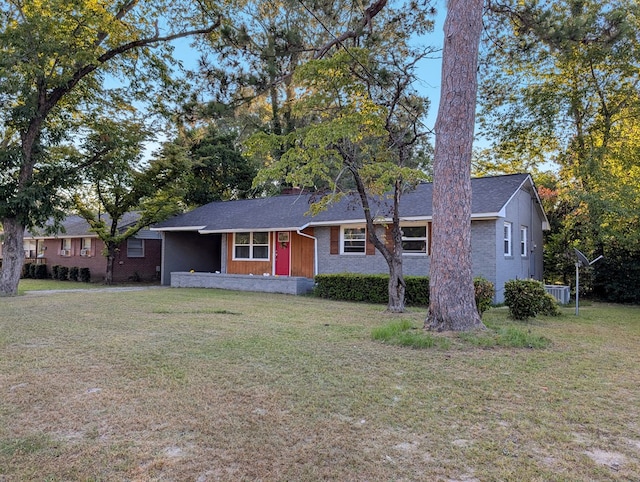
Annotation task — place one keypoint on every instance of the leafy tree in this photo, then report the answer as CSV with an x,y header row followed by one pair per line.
x,y
561,84
120,182
356,128
54,59
451,291
217,170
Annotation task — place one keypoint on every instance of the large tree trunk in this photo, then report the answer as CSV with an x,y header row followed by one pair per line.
x,y
12,256
111,257
452,300
397,285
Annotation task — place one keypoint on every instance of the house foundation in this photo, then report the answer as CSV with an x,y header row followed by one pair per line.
x,y
292,285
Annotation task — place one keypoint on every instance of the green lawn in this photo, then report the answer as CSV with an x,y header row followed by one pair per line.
x,y
190,384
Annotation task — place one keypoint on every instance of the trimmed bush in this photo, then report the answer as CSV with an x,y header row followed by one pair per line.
x,y
63,273
526,298
26,270
374,288
73,273
84,275
55,271
353,287
485,290
41,271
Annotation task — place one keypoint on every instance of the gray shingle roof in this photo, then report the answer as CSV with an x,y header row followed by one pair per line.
x,y
489,197
77,226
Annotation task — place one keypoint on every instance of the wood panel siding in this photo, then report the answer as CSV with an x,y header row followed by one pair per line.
x,y
248,266
302,254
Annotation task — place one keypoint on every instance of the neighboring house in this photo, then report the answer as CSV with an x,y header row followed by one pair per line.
x,y
75,245
276,237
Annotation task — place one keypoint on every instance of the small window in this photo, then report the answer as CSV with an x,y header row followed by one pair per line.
x,y
507,239
135,248
414,239
30,247
524,233
85,247
354,240
251,245
65,247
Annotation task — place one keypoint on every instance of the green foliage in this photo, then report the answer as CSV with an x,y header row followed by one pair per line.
x,y
527,298
485,290
26,270
215,169
54,58
63,273
373,288
73,273
55,271
617,276
549,305
40,272
84,275
561,85
353,287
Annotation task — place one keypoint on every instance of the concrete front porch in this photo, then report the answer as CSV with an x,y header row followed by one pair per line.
x,y
292,285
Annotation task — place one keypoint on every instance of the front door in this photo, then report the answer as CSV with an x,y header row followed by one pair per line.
x,y
283,253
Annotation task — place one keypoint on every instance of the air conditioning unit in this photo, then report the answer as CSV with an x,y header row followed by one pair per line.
x,y
65,252
84,252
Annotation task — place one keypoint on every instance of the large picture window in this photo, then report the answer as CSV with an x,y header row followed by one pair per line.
x,y
507,239
414,239
354,240
251,245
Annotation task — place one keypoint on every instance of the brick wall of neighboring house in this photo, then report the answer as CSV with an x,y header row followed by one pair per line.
x,y
124,269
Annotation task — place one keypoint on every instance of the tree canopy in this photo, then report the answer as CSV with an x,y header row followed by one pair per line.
x,y
55,58
561,85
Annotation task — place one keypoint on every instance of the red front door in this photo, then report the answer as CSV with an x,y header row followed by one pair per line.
x,y
283,253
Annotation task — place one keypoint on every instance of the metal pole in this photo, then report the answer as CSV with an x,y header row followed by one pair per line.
x,y
577,287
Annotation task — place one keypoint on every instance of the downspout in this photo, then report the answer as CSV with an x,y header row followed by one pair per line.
x,y
315,247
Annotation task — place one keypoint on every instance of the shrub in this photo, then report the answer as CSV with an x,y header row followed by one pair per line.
x,y
527,298
63,273
84,275
73,273
353,287
55,271
485,291
41,271
26,270
374,288
549,306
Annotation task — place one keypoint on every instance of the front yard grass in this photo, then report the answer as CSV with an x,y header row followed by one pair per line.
x,y
191,384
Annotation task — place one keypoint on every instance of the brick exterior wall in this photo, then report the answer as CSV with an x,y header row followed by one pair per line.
x,y
124,268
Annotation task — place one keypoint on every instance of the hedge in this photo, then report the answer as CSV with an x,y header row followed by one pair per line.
x,y
374,288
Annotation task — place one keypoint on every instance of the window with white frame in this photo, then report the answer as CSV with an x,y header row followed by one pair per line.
x,y
524,233
354,240
65,246
251,245
507,239
30,246
414,239
135,248
85,247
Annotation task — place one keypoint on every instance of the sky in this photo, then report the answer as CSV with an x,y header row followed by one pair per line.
x,y
428,71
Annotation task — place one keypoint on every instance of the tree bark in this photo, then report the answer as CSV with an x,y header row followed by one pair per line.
x,y
13,256
452,300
